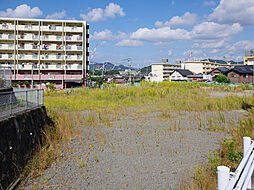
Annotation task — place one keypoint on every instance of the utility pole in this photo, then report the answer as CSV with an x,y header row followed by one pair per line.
x,y
130,70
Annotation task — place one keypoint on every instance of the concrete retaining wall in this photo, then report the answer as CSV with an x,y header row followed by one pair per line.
x,y
19,137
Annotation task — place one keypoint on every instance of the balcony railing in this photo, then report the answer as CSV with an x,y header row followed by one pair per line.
x,y
27,27
28,37
7,26
52,28
27,57
73,38
73,29
49,76
6,46
6,56
51,38
52,57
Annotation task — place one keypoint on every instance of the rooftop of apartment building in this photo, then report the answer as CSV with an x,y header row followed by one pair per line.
x,y
37,20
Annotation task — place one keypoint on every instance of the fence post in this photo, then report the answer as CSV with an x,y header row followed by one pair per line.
x,y
37,97
42,91
26,100
246,146
222,177
10,103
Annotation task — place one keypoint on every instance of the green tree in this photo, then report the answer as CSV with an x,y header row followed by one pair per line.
x,y
222,79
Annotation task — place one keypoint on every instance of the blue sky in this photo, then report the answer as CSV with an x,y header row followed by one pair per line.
x,y
148,30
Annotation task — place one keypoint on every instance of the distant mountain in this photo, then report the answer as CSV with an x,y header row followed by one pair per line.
x,y
146,70
108,67
222,61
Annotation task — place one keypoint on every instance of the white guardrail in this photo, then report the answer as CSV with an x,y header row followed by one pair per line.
x,y
241,178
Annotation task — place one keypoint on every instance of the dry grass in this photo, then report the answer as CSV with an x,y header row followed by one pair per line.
x,y
83,107
230,155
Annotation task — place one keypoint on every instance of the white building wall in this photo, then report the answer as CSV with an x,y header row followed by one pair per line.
x,y
194,67
157,73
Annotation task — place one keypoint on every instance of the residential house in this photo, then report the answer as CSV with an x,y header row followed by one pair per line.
x,y
241,74
217,71
180,75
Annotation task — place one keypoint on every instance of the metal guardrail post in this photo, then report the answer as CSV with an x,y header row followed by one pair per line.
x,y
26,99
246,146
222,177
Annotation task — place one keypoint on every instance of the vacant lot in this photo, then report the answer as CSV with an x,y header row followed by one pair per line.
x,y
146,137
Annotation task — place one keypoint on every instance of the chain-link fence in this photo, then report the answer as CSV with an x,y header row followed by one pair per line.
x,y
5,77
14,102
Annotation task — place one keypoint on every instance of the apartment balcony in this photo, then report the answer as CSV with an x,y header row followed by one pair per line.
x,y
28,37
52,66
27,27
6,46
73,38
7,36
52,28
73,48
52,38
53,47
73,67
74,57
48,76
27,57
6,26
52,57
73,77
28,47
73,29
6,56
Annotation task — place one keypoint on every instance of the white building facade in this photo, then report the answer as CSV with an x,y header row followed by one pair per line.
x,y
41,50
161,71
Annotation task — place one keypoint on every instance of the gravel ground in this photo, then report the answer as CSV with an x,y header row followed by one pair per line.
x,y
223,94
139,151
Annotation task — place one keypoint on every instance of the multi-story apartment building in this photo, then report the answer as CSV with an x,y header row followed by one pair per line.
x,y
249,57
41,51
162,71
204,66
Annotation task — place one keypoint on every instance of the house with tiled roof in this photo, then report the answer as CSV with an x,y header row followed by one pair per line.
x,y
241,74
180,75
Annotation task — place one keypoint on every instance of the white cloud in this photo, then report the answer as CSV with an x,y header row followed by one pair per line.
x,y
165,34
188,19
212,30
129,43
121,35
209,3
94,15
113,9
170,52
212,44
99,14
103,35
206,31
241,46
22,11
232,11
57,15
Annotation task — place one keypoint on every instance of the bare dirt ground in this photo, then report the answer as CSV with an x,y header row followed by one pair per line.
x,y
141,149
